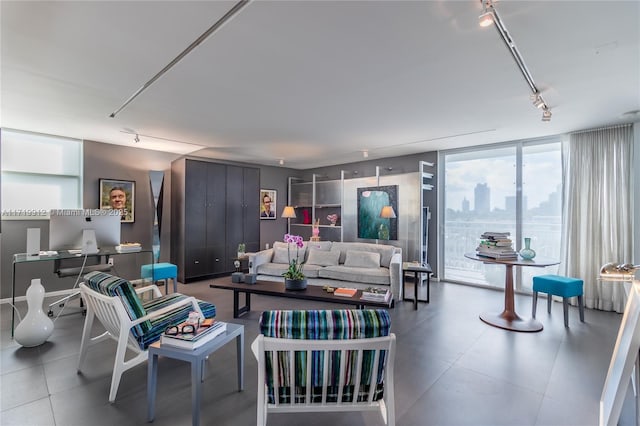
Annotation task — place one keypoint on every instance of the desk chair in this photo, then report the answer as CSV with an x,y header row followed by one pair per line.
x,y
74,272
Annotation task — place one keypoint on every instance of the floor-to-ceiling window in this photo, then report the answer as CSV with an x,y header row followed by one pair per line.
x,y
510,187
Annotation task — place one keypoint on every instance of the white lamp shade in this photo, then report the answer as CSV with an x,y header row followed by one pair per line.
x,y
288,212
387,212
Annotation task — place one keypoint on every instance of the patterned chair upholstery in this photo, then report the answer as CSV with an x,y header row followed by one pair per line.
x,y
133,323
327,355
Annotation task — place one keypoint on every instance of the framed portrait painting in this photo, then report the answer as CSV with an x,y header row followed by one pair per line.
x,y
120,195
268,205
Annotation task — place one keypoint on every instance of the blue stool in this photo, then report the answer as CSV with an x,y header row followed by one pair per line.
x,y
161,272
555,285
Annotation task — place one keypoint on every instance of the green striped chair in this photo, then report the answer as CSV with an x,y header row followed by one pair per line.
x,y
133,323
325,360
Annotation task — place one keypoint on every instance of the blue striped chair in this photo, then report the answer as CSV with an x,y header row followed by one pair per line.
x,y
133,323
325,360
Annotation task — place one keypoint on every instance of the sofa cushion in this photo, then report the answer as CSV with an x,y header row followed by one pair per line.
x,y
275,269
311,271
358,275
362,259
281,252
386,252
323,257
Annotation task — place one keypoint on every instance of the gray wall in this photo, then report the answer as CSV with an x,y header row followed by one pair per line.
x,y
123,163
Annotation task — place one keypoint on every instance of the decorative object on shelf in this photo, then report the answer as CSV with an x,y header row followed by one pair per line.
x,y
618,272
118,195
333,219
370,203
236,264
315,231
306,216
241,249
527,253
386,213
268,203
294,278
36,327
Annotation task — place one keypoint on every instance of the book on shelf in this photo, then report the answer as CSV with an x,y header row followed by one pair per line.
x,y
194,340
345,291
376,294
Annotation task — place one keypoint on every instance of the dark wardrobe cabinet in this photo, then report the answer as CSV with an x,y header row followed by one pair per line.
x,y
214,208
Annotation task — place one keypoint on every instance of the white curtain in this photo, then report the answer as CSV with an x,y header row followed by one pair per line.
x,y
597,210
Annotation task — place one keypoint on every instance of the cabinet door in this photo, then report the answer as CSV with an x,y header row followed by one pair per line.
x,y
196,204
251,213
235,209
215,215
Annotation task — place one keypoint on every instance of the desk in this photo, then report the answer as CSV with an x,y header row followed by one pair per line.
x,y
417,270
197,358
508,318
23,258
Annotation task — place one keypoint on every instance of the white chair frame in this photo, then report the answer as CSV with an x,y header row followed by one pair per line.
x,y
112,314
261,345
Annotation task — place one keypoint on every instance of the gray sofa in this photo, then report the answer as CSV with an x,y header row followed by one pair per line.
x,y
337,264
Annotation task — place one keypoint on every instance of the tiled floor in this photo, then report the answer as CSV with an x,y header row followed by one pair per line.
x,y
451,369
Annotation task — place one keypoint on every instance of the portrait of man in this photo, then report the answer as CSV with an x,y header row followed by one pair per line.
x,y
267,204
118,195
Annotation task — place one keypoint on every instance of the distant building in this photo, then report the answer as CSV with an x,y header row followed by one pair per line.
x,y
510,203
465,205
482,197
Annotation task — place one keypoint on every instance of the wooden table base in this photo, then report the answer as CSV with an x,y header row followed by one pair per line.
x,y
511,321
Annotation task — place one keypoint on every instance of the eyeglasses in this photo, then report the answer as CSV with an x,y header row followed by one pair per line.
x,y
185,329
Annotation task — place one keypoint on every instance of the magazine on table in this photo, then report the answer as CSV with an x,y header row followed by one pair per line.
x,y
202,335
376,294
345,291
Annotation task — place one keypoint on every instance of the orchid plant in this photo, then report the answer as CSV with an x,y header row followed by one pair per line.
x,y
294,272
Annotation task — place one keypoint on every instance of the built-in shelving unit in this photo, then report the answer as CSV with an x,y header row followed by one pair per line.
x,y
314,201
425,185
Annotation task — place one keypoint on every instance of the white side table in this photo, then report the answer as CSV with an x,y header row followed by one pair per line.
x,y
197,359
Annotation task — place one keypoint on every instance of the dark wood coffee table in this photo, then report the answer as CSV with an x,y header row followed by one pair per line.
x,y
272,288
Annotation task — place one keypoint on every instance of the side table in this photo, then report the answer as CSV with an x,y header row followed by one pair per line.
x,y
417,269
197,359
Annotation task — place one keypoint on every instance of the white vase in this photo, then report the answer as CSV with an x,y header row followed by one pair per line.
x,y
36,327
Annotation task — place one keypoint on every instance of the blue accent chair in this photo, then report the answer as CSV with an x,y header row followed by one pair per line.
x,y
555,285
161,272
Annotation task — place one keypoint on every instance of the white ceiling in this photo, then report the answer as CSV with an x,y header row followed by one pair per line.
x,y
315,82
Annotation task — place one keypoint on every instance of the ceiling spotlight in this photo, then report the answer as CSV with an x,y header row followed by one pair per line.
x,y
136,139
538,102
281,162
546,115
365,153
486,17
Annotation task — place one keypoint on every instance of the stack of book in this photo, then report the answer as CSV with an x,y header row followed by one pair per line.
x,y
496,245
376,294
128,247
193,340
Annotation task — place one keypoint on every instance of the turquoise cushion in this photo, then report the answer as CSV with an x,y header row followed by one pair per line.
x,y
161,271
324,325
557,285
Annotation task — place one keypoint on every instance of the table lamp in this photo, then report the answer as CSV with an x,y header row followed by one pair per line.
x,y
289,212
386,213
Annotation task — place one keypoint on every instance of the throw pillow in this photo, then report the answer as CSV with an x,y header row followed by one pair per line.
x,y
280,255
323,257
362,259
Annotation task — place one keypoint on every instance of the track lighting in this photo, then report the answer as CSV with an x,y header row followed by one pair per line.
x,y
546,115
136,139
365,153
281,162
486,17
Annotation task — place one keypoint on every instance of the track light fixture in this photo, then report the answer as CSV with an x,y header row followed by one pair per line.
x,y
281,162
365,153
136,139
486,17
490,15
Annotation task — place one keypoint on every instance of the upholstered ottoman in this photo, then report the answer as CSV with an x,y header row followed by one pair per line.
x,y
555,285
161,272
